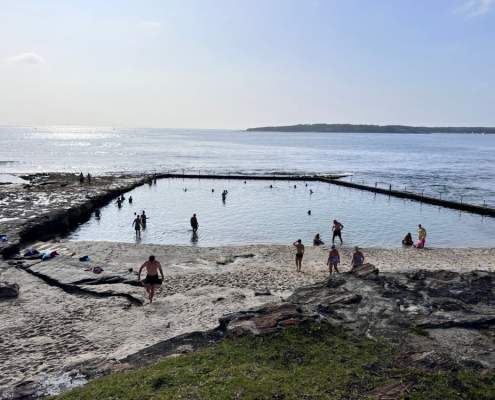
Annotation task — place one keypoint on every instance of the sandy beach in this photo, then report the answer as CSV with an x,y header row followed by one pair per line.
x,y
49,335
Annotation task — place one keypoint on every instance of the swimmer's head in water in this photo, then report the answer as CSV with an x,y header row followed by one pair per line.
x,y
152,258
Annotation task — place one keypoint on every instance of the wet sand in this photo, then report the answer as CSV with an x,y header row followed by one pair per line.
x,y
49,335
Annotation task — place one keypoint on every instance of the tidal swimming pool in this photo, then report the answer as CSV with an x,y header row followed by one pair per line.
x,y
255,213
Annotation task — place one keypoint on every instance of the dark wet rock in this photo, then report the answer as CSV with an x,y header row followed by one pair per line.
x,y
8,290
25,390
263,320
64,204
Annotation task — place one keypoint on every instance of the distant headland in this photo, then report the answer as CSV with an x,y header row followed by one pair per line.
x,y
345,128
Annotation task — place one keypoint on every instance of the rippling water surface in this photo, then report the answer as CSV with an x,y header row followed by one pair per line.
x,y
447,165
255,213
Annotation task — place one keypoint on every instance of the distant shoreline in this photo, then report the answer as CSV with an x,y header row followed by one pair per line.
x,y
359,128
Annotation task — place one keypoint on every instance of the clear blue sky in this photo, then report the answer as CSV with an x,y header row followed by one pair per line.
x,y
237,64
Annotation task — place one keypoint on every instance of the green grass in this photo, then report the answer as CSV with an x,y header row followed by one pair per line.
x,y
315,362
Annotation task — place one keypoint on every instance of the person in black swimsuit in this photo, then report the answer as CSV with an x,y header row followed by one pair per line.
x,y
299,254
194,223
337,231
152,282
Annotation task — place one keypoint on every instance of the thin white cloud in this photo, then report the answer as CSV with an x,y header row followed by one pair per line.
x,y
151,25
475,8
26,58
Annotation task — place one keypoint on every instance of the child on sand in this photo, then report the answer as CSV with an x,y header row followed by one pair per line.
x,y
333,260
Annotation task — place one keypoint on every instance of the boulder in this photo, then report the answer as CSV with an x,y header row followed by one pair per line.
x,y
9,290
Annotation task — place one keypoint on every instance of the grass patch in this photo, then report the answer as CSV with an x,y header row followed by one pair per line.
x,y
313,362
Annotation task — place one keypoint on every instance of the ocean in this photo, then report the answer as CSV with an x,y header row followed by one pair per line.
x,y
442,165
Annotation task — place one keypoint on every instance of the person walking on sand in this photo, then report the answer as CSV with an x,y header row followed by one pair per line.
x,y
194,223
299,254
357,258
333,260
337,231
152,282
421,237
137,226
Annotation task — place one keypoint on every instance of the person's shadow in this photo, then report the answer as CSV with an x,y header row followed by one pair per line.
x,y
194,237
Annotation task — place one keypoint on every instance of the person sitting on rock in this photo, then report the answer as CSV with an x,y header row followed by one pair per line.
x,y
408,240
357,258
317,240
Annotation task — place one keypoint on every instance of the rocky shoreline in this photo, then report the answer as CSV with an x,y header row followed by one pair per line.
x,y
437,318
53,203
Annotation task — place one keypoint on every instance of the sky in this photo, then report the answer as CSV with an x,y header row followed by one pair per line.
x,y
236,64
